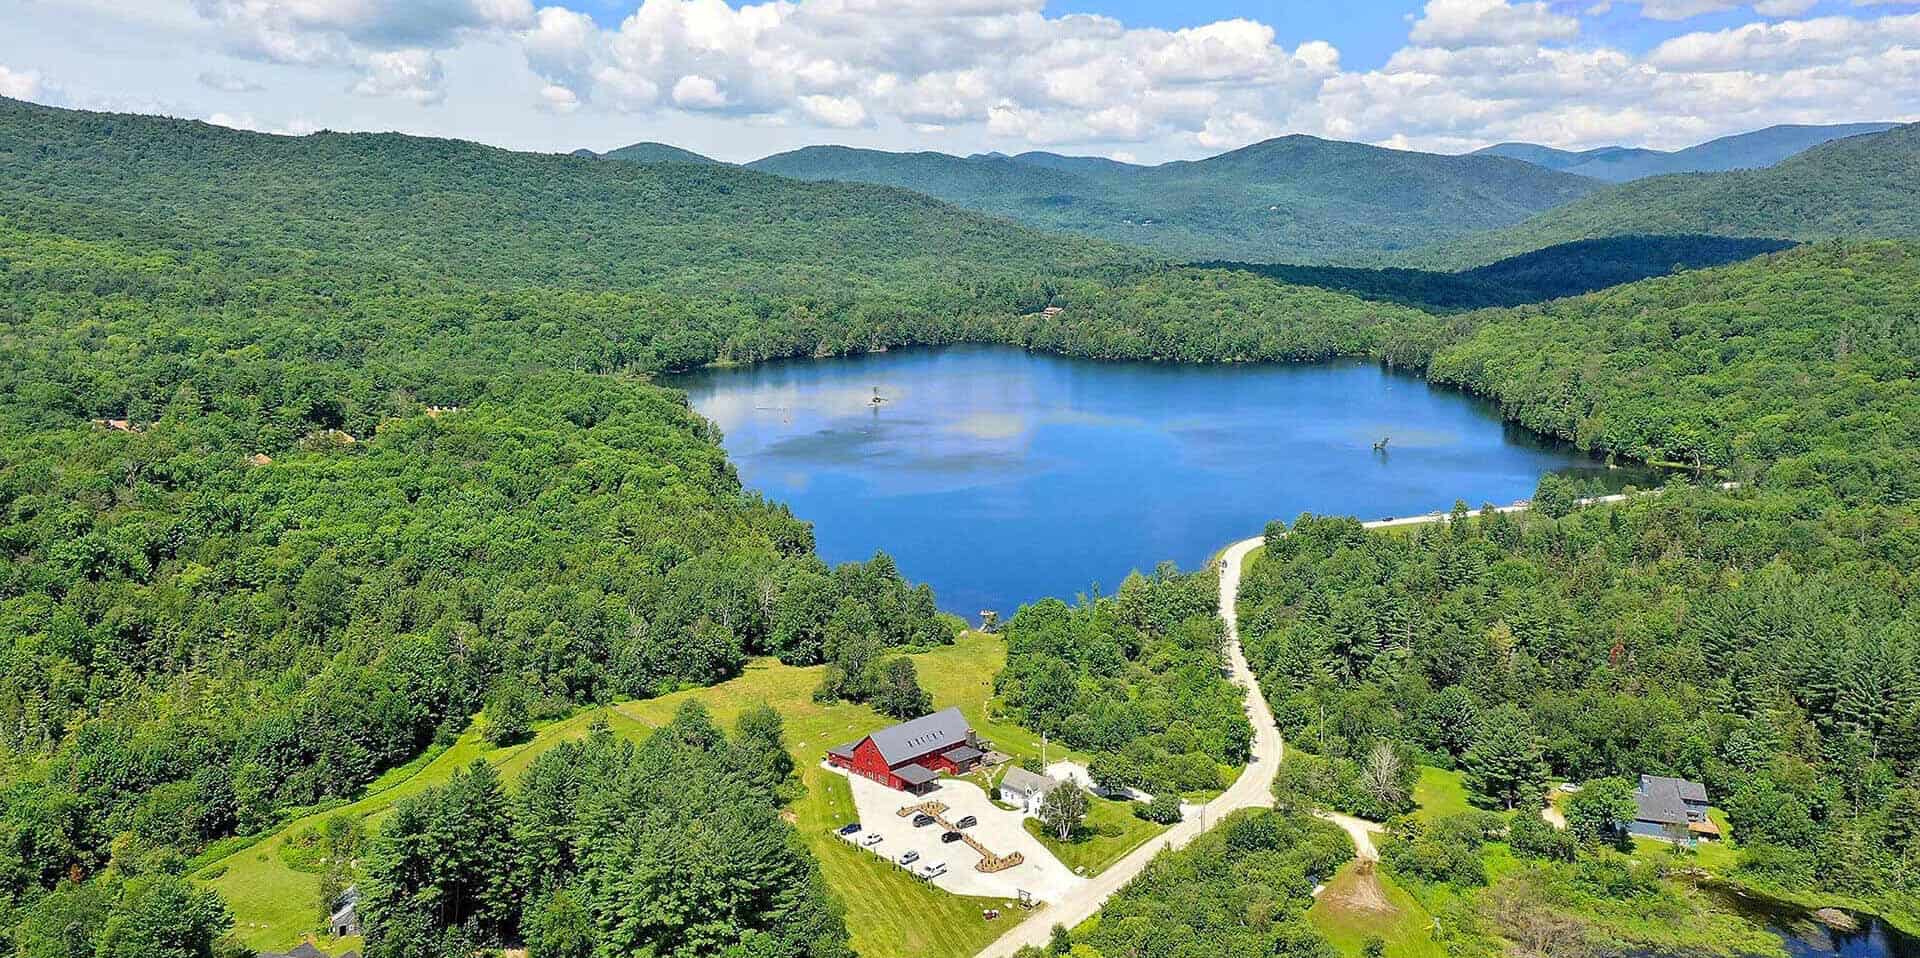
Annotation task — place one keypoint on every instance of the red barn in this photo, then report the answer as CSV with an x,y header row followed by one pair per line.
x,y
909,756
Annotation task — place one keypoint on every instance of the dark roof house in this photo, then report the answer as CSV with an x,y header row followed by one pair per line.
x,y
1664,806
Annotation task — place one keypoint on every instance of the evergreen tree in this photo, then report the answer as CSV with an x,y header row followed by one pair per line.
x,y
1505,763
760,734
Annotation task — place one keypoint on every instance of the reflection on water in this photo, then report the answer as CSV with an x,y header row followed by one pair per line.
x,y
1001,476
1803,935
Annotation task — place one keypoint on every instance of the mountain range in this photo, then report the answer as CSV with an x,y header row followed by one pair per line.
x,y
1293,199
1857,187
1742,151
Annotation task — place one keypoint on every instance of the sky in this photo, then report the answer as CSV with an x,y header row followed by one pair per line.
x,y
1138,80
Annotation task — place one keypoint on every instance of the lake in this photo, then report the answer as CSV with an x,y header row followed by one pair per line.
x,y
1001,476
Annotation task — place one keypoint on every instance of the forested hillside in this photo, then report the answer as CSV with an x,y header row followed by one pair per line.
x,y
1760,641
1857,187
1292,199
1801,364
449,212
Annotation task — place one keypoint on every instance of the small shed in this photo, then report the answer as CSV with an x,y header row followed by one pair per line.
x,y
345,920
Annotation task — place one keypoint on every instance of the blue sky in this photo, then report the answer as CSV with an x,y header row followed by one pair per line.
x,y
1152,81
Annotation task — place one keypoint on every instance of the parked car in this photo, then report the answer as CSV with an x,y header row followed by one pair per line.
x,y
950,837
909,858
852,829
934,870
872,839
922,820
967,822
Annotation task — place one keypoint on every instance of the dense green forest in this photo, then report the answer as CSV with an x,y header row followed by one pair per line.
x,y
1851,188
1763,643
1293,199
1556,272
1800,365
1241,889
1134,678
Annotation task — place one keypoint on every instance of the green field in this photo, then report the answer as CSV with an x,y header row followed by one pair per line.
x,y
888,912
1439,793
1110,832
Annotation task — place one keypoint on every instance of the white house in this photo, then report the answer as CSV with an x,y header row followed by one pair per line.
x,y
1025,790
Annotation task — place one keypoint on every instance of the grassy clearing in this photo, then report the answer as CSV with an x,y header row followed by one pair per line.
x,y
1110,832
1439,793
1348,914
889,912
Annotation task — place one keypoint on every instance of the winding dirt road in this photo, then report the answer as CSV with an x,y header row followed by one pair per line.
x,y
1254,787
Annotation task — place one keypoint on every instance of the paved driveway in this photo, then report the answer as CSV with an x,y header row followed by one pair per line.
x,y
1040,874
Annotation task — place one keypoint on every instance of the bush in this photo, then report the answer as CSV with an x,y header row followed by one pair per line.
x,y
1164,809
509,716
1533,838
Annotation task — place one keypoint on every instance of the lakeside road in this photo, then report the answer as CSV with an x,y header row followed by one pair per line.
x,y
1252,789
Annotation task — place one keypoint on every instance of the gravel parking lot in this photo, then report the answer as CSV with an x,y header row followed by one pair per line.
x,y
1041,874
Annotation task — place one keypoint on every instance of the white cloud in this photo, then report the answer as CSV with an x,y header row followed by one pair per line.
x,y
1469,23
1794,43
834,111
228,83
735,77
695,92
558,99
390,42
19,84
410,74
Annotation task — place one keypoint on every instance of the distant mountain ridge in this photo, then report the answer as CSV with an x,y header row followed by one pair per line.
x,y
1859,187
650,152
1294,198
1743,151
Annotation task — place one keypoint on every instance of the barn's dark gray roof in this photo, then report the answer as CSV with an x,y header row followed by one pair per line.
x,y
1663,801
965,753
913,773
910,740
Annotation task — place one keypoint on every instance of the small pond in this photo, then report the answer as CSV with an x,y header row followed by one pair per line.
x,y
1804,935
1002,476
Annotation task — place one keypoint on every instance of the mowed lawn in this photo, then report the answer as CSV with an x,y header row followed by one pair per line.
x,y
1439,793
888,912
1110,832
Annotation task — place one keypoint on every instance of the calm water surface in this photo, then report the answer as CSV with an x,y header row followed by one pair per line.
x,y
1001,476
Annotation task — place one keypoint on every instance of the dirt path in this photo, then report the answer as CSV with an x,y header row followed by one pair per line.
x,y
1254,787
1361,831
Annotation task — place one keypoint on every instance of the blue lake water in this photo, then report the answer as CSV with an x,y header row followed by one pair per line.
x,y
1001,476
